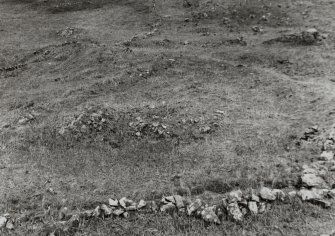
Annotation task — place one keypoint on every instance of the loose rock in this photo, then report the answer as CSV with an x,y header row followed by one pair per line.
x,y
3,221
253,207
235,212
113,203
312,180
327,156
267,194
168,207
208,215
106,210
235,196
194,207
141,204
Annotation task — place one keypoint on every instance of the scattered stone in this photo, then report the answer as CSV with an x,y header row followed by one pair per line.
x,y
235,196
262,207
9,225
168,207
125,202
254,197
280,195
3,221
267,194
153,206
234,211
118,212
327,156
307,195
113,203
208,215
196,205
253,207
292,194
329,145
179,201
141,204
169,199
62,213
106,210
96,212
312,180
131,208
125,214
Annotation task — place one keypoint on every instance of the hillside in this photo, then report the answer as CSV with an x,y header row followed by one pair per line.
x,y
111,98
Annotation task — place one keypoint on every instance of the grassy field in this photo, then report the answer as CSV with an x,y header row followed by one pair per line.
x,y
109,98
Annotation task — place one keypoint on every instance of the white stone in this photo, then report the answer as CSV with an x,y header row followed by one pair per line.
x,y
113,203
234,211
96,212
167,207
327,156
312,180
10,225
194,206
125,202
254,197
141,204
107,210
253,207
267,194
118,212
208,215
262,207
292,194
179,201
307,195
169,199
3,221
235,196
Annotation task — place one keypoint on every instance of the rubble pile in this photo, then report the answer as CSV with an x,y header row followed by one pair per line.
x,y
91,123
142,127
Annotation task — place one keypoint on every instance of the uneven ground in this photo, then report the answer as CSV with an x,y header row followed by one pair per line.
x,y
186,63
